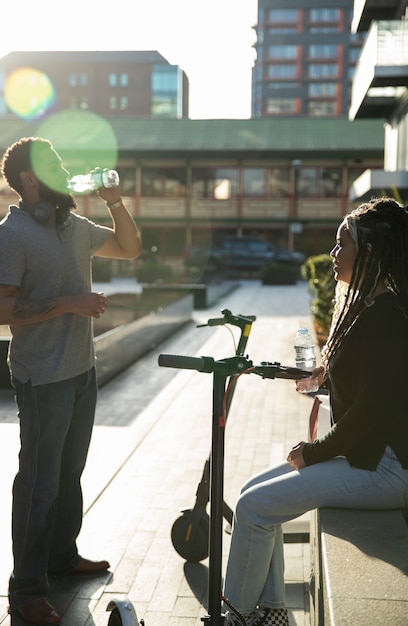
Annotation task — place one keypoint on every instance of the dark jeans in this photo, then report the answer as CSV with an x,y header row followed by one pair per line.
x,y
56,423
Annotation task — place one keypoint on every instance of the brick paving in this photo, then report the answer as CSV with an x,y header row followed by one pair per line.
x,y
151,439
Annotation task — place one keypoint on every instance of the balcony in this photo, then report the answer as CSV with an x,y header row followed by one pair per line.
x,y
374,183
366,11
381,74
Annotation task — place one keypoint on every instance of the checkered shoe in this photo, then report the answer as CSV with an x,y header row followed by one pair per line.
x,y
259,617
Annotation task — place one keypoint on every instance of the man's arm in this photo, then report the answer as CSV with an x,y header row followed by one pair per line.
x,y
124,241
19,311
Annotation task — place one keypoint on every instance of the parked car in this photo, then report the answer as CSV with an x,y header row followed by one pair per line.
x,y
241,254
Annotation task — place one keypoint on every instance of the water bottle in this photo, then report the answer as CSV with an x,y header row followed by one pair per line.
x,y
305,359
92,181
304,350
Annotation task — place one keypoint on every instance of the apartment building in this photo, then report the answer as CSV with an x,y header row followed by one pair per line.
x,y
306,56
120,83
380,90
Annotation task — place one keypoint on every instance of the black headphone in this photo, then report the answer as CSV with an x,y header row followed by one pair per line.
x,y
41,211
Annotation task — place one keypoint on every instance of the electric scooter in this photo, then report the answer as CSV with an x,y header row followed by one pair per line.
x,y
222,370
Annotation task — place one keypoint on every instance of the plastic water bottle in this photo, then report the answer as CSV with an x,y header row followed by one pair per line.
x,y
305,359
92,181
304,350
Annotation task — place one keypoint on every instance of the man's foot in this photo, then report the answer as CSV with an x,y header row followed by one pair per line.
x,y
93,568
39,612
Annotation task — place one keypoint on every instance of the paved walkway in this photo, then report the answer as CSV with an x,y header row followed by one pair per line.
x,y
151,439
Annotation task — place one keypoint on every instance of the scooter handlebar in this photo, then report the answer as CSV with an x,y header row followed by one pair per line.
x,y
184,362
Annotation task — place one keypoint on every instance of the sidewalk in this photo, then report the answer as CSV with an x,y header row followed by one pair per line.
x,y
151,439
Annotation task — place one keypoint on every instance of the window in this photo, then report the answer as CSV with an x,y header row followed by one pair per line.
x,y
282,15
113,79
217,183
123,103
318,107
277,106
282,71
282,52
166,91
324,15
281,30
163,181
254,181
322,29
113,103
323,70
278,181
323,51
319,181
72,80
83,80
325,90
124,79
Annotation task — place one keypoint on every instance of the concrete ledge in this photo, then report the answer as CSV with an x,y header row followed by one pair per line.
x,y
359,568
205,294
120,347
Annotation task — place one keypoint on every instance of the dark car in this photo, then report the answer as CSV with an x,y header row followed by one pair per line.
x,y
252,253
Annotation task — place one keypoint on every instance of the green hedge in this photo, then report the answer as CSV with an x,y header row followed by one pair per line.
x,y
318,271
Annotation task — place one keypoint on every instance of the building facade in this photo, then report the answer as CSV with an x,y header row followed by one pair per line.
x,y
126,84
192,182
380,90
306,56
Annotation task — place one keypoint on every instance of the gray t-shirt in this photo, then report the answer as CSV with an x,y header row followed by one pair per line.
x,y
47,262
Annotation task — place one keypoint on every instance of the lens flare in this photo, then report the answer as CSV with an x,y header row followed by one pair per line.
x,y
83,139
29,93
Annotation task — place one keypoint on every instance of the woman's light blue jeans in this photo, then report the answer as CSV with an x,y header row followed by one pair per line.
x,y
255,568
56,423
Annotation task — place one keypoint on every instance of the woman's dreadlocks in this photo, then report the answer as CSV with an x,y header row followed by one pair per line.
x,y
379,229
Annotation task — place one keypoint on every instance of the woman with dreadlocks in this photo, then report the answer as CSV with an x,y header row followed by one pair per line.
x,y
362,462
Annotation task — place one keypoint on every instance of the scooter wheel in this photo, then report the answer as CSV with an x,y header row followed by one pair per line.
x,y
190,537
115,618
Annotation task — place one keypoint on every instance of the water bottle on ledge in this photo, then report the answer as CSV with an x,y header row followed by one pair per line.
x,y
305,359
92,181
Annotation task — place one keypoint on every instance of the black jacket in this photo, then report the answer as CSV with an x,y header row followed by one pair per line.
x,y
368,386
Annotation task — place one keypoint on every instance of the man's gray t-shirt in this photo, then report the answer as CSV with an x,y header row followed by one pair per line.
x,y
47,262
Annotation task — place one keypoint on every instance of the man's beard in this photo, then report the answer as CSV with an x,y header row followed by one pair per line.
x,y
64,203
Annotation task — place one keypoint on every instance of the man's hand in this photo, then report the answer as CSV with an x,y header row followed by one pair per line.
x,y
85,304
295,456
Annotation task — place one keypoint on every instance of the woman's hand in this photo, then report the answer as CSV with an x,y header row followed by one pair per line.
x,y
312,383
295,456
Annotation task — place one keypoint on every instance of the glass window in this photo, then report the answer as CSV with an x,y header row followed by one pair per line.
x,y
323,70
123,103
83,79
163,181
113,80
72,80
282,52
127,180
254,181
124,80
282,71
281,105
323,51
282,15
218,183
113,103
278,181
319,107
319,181
324,15
166,94
281,30
326,90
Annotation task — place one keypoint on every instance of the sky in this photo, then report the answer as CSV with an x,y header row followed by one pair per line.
x,y
211,40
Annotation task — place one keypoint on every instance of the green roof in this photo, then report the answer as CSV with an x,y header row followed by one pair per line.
x,y
296,136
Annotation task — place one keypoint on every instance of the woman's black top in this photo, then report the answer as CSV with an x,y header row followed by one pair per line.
x,y
368,386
